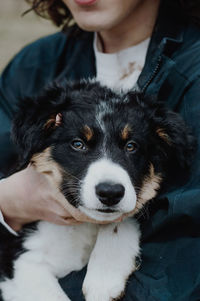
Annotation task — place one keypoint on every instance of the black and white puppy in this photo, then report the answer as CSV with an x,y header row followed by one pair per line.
x,y
108,153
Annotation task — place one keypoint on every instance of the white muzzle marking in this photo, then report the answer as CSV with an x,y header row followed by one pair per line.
x,y
104,170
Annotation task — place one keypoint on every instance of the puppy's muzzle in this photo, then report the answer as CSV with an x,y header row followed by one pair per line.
x,y
109,194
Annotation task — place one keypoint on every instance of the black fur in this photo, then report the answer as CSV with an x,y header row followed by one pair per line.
x,y
11,247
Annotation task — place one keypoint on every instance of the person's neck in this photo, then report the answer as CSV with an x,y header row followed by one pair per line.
x,y
137,27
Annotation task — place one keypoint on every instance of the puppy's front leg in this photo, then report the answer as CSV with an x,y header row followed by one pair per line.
x,y
112,261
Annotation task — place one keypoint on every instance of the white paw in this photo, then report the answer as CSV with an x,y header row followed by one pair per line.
x,y
8,290
103,289
12,292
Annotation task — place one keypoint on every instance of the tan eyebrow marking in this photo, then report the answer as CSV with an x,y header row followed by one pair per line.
x,y
126,132
164,136
150,186
88,132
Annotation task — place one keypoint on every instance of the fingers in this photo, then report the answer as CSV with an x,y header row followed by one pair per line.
x,y
16,226
57,210
70,221
63,221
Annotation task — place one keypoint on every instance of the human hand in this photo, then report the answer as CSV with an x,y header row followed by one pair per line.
x,y
29,196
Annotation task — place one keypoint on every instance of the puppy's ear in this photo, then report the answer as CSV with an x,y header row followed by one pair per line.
x,y
37,120
176,136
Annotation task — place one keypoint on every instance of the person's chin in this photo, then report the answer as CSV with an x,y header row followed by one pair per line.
x,y
90,26
99,215
94,23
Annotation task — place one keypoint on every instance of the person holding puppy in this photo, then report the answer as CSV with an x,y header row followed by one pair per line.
x,y
151,45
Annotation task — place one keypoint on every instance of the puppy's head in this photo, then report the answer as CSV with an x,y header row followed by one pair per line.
x,y
108,153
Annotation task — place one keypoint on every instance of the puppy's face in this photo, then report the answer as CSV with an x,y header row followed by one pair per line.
x,y
110,151
104,152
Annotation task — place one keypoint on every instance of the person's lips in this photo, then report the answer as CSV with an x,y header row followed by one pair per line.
x,y
85,2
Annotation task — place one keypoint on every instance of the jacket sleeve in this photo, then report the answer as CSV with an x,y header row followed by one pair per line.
x,y
8,101
27,73
35,66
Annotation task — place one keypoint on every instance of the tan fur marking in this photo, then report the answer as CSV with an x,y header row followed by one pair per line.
x,y
161,133
88,132
44,163
126,132
149,189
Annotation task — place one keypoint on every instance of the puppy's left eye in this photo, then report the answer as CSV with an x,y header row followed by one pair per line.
x,y
78,145
131,146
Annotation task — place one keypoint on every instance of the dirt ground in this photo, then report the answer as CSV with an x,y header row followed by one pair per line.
x,y
17,31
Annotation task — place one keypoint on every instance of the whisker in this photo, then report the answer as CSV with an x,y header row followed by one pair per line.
x,y
72,176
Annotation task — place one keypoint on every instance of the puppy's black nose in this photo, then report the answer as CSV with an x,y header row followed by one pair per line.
x,y
110,194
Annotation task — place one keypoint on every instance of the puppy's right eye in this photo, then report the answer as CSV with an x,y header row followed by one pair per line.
x,y
131,146
78,145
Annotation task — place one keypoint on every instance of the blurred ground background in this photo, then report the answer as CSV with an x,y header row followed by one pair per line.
x,y
17,31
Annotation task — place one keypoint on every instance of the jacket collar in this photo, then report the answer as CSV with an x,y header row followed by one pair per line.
x,y
167,36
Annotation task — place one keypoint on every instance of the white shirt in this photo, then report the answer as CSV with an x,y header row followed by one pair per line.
x,y
2,221
118,70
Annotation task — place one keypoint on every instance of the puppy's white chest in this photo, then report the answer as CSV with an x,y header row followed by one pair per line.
x,y
54,251
63,249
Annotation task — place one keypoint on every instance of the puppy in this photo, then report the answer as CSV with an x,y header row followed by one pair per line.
x,y
108,153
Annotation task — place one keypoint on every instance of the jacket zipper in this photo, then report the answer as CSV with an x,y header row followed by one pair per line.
x,y
153,74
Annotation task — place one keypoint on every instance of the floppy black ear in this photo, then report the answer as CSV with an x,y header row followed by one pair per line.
x,y
174,133
173,137
36,121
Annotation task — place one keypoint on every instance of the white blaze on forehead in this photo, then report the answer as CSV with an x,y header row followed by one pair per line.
x,y
108,107
102,109
102,171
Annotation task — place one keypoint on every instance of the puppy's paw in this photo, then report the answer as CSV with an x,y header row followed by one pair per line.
x,y
7,289
103,289
12,292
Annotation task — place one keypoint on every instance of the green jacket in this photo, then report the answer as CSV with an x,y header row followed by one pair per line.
x,y
170,269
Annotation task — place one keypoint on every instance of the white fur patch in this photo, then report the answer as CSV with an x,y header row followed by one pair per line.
x,y
101,171
52,252
112,261
102,109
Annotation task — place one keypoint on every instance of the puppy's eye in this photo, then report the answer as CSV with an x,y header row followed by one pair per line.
x,y
78,145
131,146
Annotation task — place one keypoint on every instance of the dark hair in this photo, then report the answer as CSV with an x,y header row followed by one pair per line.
x,y
55,10
58,12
